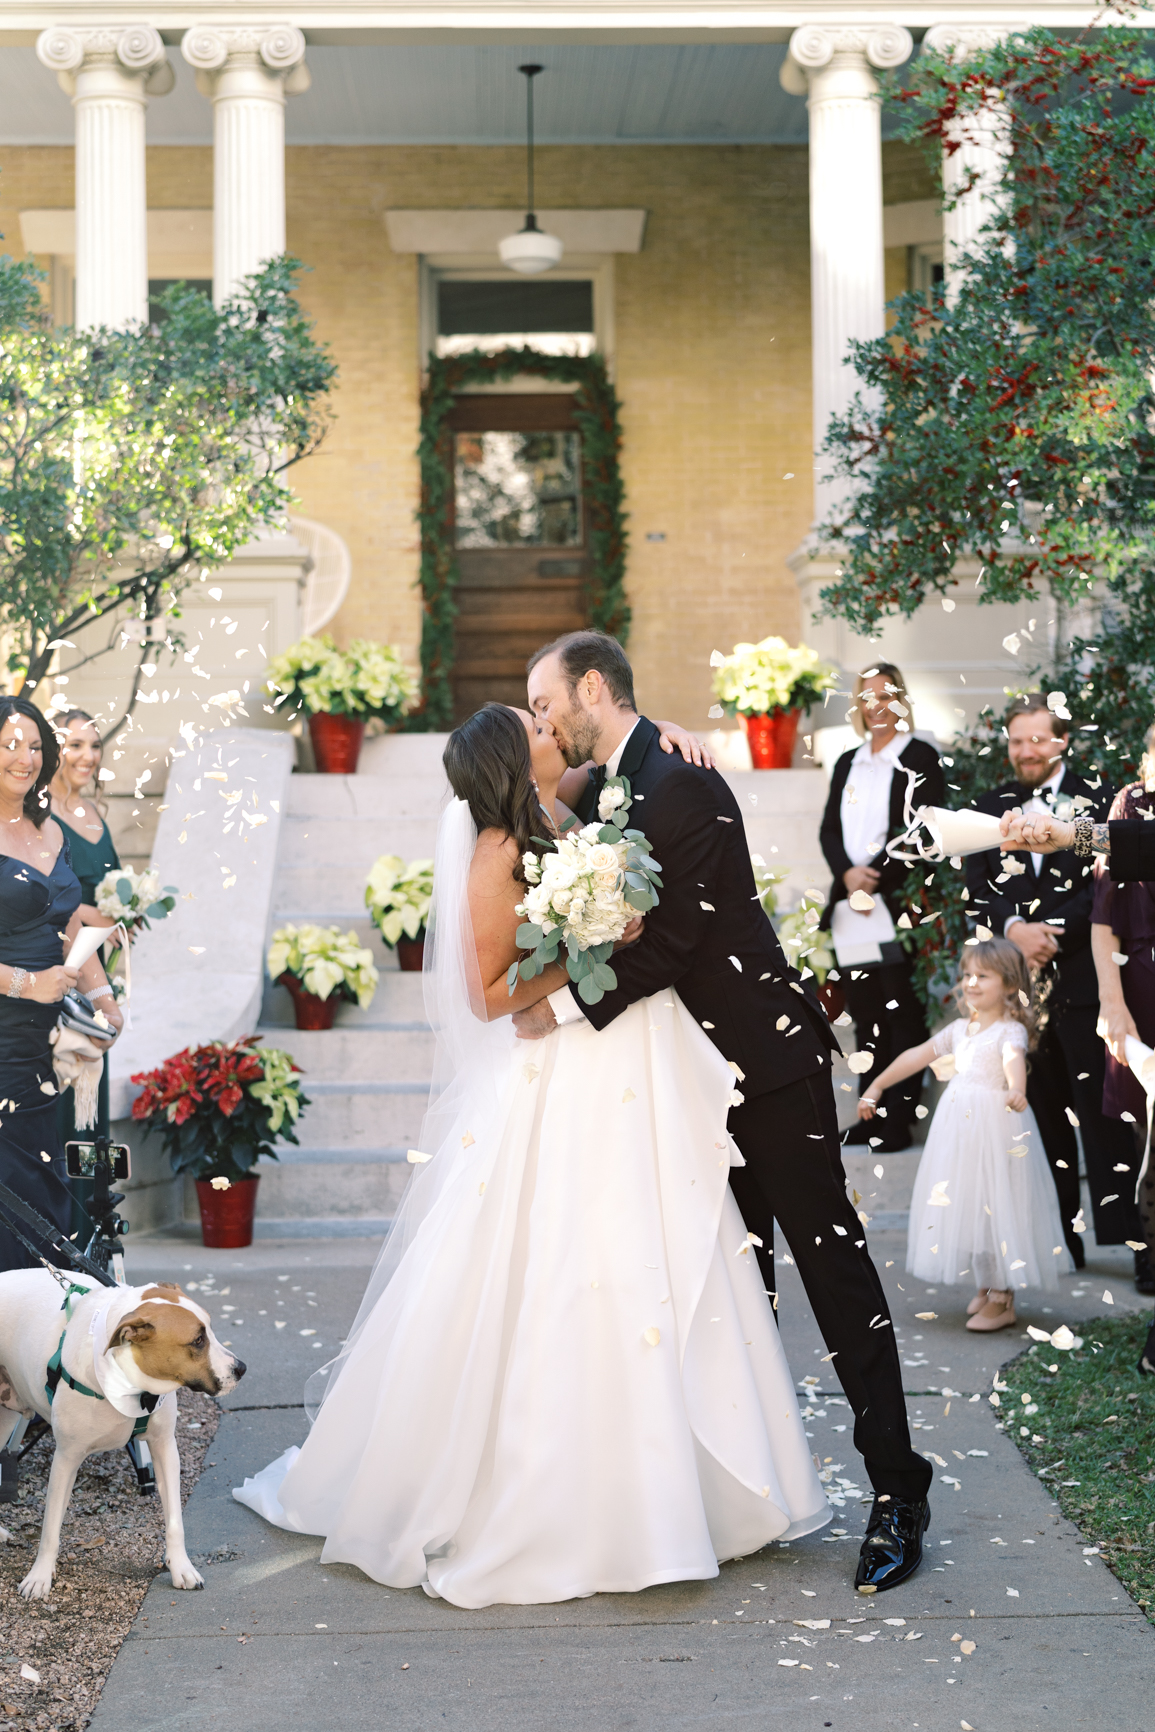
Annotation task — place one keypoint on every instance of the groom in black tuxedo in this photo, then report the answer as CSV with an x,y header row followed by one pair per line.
x,y
710,938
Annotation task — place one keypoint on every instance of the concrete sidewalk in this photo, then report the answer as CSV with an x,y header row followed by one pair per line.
x,y
278,1643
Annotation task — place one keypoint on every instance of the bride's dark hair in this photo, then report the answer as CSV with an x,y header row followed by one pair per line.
x,y
488,764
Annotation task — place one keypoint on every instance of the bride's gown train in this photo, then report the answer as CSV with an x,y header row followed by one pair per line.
x,y
568,1379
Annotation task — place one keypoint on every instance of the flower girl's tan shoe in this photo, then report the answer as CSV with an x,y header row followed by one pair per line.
x,y
997,1313
978,1301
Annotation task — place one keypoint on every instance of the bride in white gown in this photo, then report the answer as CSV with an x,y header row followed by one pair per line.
x,y
565,1377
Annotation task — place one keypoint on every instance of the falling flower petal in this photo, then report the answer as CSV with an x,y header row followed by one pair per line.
x,y
860,1062
652,1336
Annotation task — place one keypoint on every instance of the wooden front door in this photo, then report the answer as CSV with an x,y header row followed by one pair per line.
x,y
520,536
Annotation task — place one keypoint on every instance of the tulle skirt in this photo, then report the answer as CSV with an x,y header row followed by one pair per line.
x,y
573,1383
984,1209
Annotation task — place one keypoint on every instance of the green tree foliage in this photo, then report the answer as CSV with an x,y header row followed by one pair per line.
x,y
1014,422
132,461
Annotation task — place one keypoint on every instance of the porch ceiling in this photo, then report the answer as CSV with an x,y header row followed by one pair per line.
x,y
700,93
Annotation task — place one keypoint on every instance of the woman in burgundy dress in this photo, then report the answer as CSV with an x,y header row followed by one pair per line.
x,y
1123,923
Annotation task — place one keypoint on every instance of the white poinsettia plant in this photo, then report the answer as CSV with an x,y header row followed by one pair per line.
x,y
759,678
324,959
398,896
134,899
583,892
367,679
807,947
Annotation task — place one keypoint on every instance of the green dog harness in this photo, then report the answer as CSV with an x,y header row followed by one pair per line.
x,y
56,1372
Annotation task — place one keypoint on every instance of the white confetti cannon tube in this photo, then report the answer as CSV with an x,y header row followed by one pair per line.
x,y
935,834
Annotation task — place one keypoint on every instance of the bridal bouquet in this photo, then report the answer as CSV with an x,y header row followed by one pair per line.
x,y
583,894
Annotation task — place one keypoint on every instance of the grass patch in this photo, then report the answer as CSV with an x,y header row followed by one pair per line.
x,y
1092,1440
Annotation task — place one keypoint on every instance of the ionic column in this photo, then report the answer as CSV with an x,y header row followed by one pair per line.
x,y
109,73
833,66
247,72
984,145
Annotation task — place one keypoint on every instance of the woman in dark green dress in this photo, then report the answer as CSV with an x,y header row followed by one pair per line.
x,y
74,806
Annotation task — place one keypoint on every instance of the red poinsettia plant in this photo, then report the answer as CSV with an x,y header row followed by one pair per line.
x,y
220,1106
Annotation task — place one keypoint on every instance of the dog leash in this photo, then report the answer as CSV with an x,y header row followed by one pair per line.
x,y
53,1237
56,1371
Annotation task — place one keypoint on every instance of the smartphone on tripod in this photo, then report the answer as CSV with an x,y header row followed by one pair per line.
x,y
81,1160
106,1163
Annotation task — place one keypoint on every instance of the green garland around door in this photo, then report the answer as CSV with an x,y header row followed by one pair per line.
x,y
596,415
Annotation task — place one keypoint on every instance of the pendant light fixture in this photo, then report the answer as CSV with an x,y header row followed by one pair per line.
x,y
530,251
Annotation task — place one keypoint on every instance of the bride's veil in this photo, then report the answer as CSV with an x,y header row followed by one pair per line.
x,y
466,1065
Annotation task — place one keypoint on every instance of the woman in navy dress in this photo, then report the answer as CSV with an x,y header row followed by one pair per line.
x,y
39,918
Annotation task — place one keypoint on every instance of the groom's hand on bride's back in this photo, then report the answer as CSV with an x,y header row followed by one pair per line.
x,y
632,932
535,1022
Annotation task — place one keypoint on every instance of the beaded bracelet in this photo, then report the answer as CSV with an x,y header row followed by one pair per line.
x,y
16,984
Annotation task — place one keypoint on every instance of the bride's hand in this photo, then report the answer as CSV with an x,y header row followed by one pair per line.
x,y
672,738
866,1106
632,932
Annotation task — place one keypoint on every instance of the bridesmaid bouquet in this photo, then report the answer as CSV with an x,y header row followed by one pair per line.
x,y
134,899
584,892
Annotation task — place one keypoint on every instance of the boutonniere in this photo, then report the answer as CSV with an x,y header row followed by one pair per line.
x,y
615,800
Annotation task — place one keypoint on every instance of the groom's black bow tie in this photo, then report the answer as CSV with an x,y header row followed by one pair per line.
x,y
599,778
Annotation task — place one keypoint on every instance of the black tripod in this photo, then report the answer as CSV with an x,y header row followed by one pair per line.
x,y
102,1254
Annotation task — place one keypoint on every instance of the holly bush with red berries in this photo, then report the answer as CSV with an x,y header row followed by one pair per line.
x,y
1013,421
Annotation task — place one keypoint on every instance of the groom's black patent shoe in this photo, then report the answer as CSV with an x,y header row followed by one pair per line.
x,y
892,1549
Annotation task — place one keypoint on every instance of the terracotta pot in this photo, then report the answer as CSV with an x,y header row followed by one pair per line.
x,y
309,1010
336,743
227,1216
832,999
771,738
411,954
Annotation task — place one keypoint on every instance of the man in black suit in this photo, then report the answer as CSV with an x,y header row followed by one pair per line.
x,y
1045,909
710,939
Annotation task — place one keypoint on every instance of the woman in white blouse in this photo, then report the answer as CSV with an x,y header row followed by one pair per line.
x,y
864,811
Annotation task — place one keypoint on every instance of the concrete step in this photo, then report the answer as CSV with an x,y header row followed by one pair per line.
x,y
363,1115
356,1055
333,799
325,870
350,1190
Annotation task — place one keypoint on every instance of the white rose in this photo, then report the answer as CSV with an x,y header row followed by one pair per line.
x,y
606,880
602,858
590,833
561,900
609,800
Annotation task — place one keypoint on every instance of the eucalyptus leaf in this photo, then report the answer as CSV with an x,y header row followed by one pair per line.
x,y
157,910
609,833
604,976
589,990
124,890
528,967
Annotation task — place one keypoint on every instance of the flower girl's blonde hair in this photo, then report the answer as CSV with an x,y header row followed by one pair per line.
x,y
1006,960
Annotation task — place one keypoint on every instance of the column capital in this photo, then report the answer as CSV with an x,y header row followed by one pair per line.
x,y
960,41
132,51
814,47
277,51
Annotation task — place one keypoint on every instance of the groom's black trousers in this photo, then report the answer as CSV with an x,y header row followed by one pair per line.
x,y
793,1175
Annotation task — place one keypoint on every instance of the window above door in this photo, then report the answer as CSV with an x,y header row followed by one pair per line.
x,y
467,306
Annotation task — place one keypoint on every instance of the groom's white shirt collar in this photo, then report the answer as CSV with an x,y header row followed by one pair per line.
x,y
614,761
565,1007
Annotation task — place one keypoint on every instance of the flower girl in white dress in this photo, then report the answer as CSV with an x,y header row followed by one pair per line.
x,y
984,1203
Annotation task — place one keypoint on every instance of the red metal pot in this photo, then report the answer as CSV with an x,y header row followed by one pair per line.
x,y
227,1216
336,743
309,1010
411,954
771,738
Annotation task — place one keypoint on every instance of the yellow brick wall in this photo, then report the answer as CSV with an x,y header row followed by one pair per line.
x,y
712,365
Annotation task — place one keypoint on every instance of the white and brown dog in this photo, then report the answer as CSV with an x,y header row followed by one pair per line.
x,y
84,1364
